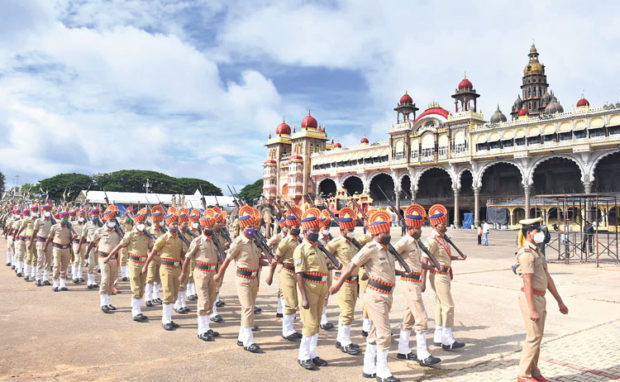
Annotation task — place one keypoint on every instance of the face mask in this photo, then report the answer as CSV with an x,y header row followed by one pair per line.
x,y
326,232
35,215
128,220
350,235
295,231
81,220
539,237
250,232
285,229
385,240
195,225
416,235
173,230
95,220
140,227
208,232
47,214
64,221
111,224
313,237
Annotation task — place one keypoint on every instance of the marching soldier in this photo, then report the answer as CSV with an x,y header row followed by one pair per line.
x,y
379,265
79,253
26,253
311,271
204,254
60,236
325,222
364,239
18,261
127,226
88,234
344,250
195,231
106,239
8,226
532,267
137,243
180,305
273,243
415,315
441,280
42,227
220,225
247,257
170,249
153,281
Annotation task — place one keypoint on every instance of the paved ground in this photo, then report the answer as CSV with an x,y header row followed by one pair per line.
x,y
64,336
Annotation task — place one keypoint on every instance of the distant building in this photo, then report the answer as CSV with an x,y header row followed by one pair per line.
x,y
143,199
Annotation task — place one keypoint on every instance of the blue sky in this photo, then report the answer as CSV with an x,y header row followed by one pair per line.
x,y
192,88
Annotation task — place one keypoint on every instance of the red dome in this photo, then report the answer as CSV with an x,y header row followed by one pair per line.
x,y
309,121
523,112
583,102
465,84
338,145
270,161
283,128
406,98
364,140
433,110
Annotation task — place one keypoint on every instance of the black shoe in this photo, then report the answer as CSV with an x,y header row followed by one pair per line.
x,y
157,301
12,266
149,303
364,333
279,315
253,348
291,337
179,310
429,361
351,350
168,326
175,324
220,304
257,310
191,297
410,357
8,264
39,283
307,364
328,326
111,307
124,279
46,283
319,361
255,328
19,274
205,336
373,375
75,281
299,335
455,345
55,289
95,285
27,278
105,309
186,309
81,279
216,318
437,344
239,343
140,317
391,378
90,286
213,333
64,289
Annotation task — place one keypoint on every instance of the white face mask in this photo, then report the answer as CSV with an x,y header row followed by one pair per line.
x,y
140,227
539,237
47,214
350,235
285,229
111,224
81,220
35,215
195,225
325,232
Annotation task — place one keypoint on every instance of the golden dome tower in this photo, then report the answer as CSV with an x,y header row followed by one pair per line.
x,y
534,87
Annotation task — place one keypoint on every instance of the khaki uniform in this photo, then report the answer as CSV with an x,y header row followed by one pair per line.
x,y
10,244
170,249
25,236
137,245
379,265
530,261
247,256
415,315
88,234
344,251
204,253
61,242
363,240
441,281
311,263
79,259
273,243
152,274
44,257
127,227
106,240
324,240
288,280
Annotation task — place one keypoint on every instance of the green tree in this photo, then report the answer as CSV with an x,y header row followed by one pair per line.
x,y
71,184
251,192
1,183
134,181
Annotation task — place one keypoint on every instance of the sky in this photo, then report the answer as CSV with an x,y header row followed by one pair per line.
x,y
193,88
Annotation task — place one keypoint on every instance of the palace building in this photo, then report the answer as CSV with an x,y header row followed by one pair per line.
x,y
458,158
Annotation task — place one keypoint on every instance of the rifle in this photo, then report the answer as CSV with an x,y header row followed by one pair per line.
x,y
183,238
261,243
202,198
446,238
353,240
320,246
330,214
218,245
224,232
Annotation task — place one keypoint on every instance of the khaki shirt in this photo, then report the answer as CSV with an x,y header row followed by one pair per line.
x,y
343,250
42,226
203,249
89,231
530,261
286,248
28,225
59,234
78,228
275,240
170,247
137,243
364,239
308,258
127,227
155,230
245,253
438,250
106,239
408,248
377,261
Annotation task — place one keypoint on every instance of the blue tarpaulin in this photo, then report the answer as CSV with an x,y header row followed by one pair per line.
x,y
121,208
468,220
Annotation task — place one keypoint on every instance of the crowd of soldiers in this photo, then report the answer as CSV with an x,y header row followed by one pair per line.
x,y
179,254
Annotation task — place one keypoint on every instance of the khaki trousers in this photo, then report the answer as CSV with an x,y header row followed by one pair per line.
x,y
363,285
183,285
288,284
415,315
206,289
124,256
192,266
528,366
444,305
79,257
169,277
137,279
109,274
311,317
31,256
93,260
379,306
152,273
347,297
44,257
247,289
330,278
62,257
20,250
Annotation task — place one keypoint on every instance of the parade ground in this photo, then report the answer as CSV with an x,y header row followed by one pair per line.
x,y
65,336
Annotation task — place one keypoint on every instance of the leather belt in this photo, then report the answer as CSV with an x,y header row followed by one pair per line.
x,y
138,259
61,246
315,277
415,277
103,254
289,267
206,267
350,280
23,237
444,271
76,241
247,273
170,263
536,291
41,238
380,286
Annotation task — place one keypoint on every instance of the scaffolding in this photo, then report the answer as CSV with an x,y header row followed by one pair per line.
x,y
582,230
